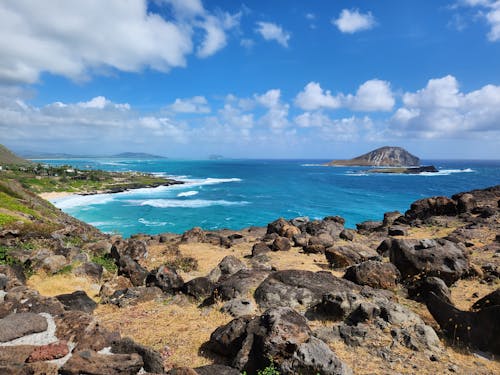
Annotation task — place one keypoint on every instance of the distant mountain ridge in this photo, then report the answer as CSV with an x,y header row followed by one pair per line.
x,y
387,156
123,155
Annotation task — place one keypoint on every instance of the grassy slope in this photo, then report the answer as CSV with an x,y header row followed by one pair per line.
x,y
8,157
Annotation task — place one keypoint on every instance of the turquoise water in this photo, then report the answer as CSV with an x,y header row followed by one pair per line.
x,y
240,193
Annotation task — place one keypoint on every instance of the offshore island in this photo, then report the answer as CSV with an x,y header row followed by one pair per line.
x,y
413,292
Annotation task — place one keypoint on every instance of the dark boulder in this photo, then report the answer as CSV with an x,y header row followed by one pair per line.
x,y
238,285
439,258
199,287
420,289
347,234
492,299
260,248
428,207
375,274
78,300
465,202
367,227
153,361
280,334
330,225
90,362
193,235
390,218
228,266
397,230
89,269
135,249
132,270
347,255
281,244
295,288
317,244
133,296
283,228
166,278
480,329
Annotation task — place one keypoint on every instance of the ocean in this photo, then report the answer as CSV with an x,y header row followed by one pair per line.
x,y
236,194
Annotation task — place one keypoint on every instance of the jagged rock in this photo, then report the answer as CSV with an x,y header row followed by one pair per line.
x,y
193,235
135,295
479,329
216,370
295,288
281,334
374,274
78,300
229,265
199,287
90,362
347,234
397,230
281,244
239,307
465,202
440,258
153,361
260,248
238,284
390,218
133,270
14,274
110,287
89,269
346,255
383,248
419,290
53,263
13,358
18,325
99,248
166,278
83,330
332,225
428,207
492,299
133,248
368,226
318,244
49,352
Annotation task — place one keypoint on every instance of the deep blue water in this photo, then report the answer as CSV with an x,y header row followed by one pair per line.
x,y
239,193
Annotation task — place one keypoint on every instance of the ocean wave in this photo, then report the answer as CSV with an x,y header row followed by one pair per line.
x,y
175,203
149,223
187,193
312,165
82,200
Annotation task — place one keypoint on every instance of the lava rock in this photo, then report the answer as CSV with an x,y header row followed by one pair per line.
x,y
374,274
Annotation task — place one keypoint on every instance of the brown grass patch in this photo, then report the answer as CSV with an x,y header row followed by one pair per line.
x,y
462,292
429,232
53,285
180,328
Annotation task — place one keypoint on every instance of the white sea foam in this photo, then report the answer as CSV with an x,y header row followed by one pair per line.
x,y
312,165
187,193
175,203
149,223
81,200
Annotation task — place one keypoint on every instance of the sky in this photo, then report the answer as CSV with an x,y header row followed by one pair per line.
x,y
314,79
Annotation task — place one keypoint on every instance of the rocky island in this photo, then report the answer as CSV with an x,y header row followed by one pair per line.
x,y
391,159
416,292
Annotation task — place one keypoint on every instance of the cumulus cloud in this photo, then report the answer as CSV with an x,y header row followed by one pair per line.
x,y
442,110
373,95
314,97
196,104
276,117
271,31
490,12
75,38
352,21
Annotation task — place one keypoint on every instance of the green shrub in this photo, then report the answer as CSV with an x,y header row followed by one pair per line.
x,y
106,261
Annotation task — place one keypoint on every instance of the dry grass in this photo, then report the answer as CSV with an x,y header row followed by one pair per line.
x,y
429,232
175,328
462,292
53,285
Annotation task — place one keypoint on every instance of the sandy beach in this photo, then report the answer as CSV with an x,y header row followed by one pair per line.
x,y
55,195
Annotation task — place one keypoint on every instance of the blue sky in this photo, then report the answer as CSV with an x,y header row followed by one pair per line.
x,y
280,78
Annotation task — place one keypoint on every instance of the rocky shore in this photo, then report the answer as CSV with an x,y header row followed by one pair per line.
x,y
416,292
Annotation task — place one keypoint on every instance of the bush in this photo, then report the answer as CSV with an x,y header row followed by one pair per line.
x,y
106,261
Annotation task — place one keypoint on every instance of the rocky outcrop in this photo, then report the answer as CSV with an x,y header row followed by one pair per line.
x,y
281,335
387,156
375,274
347,255
439,258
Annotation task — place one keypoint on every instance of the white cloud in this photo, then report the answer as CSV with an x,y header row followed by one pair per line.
x,y
490,11
271,31
276,117
442,110
351,21
247,43
196,104
313,97
373,95
76,38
